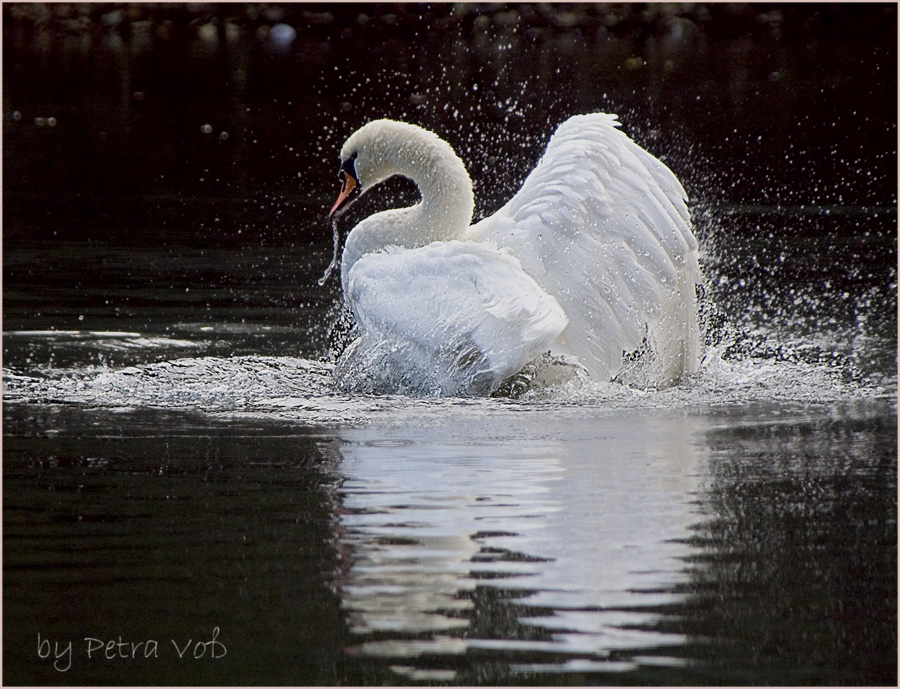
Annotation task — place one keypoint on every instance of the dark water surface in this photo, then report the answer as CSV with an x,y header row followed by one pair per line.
x,y
182,480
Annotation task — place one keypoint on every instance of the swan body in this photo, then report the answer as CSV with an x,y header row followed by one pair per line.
x,y
593,259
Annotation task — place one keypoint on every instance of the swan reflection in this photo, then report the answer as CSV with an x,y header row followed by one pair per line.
x,y
539,532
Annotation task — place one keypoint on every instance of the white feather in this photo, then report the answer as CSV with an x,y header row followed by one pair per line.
x,y
458,318
602,226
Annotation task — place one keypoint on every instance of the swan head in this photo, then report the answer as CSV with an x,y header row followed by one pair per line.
x,y
351,188
384,148
368,157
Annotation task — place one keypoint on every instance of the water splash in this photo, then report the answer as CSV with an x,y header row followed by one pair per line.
x,y
305,391
785,342
335,255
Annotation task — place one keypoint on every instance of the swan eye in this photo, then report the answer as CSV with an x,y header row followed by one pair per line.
x,y
348,167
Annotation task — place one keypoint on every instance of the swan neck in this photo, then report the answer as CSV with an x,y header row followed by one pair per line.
x,y
387,148
447,203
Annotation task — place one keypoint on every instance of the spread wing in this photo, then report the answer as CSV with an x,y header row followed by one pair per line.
x,y
602,226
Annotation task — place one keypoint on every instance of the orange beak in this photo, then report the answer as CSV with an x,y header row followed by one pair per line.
x,y
346,189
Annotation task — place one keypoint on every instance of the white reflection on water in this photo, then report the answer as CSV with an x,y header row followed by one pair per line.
x,y
581,515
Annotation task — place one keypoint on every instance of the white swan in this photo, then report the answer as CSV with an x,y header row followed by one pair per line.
x,y
593,260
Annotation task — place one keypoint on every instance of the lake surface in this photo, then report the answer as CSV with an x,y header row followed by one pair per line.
x,y
189,500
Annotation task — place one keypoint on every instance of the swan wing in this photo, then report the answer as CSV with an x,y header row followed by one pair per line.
x,y
448,318
602,226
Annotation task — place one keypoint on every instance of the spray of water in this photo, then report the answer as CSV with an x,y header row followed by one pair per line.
x,y
756,311
767,339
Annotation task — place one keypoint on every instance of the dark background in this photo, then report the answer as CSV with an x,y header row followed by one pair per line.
x,y
192,124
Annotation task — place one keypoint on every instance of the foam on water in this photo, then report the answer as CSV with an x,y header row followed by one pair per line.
x,y
305,391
